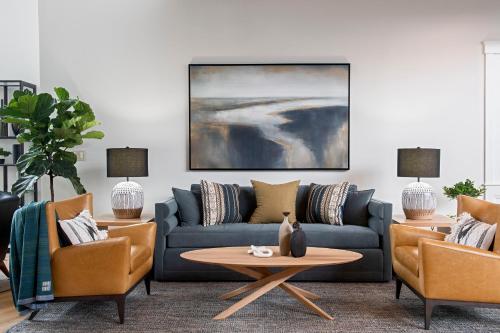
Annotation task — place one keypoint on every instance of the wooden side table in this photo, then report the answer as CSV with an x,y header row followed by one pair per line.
x,y
440,222
105,221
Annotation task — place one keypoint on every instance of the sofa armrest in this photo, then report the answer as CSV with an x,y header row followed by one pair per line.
x,y
380,216
457,272
380,219
166,220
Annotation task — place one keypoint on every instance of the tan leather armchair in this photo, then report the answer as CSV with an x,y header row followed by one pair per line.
x,y
444,273
101,270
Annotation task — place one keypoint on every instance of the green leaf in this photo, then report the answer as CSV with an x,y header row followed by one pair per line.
x,y
65,155
20,121
23,137
27,159
90,124
77,185
61,93
44,108
24,183
64,168
27,103
12,112
62,133
4,152
93,135
65,105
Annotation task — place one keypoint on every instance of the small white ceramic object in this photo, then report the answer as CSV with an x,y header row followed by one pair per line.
x,y
260,251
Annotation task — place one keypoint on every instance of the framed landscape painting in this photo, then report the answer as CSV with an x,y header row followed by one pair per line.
x,y
269,117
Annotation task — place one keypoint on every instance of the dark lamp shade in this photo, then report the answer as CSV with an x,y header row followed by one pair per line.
x,y
127,162
418,162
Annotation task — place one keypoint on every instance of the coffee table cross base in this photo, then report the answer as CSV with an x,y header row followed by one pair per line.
x,y
267,281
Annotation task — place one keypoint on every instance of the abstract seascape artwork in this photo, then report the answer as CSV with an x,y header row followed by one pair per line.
x,y
269,117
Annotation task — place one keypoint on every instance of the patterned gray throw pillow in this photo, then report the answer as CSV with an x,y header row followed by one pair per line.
x,y
325,203
82,229
471,232
220,203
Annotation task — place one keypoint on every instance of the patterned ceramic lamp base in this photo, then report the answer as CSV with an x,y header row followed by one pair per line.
x,y
419,201
127,200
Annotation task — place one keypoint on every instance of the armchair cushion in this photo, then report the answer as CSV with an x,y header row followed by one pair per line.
x,y
408,257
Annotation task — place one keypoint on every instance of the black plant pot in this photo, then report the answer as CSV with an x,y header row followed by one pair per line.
x,y
298,241
2,161
17,151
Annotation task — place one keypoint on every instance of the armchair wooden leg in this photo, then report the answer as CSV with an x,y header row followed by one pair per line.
x,y
120,302
399,284
429,305
147,283
33,314
4,268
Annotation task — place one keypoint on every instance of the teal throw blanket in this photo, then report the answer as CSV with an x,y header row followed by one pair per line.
x,y
30,273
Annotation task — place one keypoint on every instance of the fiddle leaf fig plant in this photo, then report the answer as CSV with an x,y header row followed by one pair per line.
x,y
466,187
53,125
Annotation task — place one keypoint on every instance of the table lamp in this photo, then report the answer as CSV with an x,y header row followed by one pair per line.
x,y
419,199
127,198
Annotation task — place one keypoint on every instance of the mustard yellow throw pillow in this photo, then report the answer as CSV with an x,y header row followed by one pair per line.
x,y
273,200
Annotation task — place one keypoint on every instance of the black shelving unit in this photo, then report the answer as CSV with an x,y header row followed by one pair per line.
x,y
7,88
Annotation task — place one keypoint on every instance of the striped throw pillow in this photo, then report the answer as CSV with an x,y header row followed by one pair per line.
x,y
82,229
220,203
325,203
471,232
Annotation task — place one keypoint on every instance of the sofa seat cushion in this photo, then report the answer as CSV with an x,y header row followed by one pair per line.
x,y
139,254
408,257
244,234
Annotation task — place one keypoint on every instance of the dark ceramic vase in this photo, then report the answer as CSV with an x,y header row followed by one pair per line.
x,y
298,241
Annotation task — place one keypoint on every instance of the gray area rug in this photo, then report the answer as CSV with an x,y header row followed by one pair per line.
x,y
189,307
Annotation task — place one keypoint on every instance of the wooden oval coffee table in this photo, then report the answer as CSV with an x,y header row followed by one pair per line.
x,y
237,259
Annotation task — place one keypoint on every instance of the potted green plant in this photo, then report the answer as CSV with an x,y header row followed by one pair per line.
x,y
54,126
3,153
466,187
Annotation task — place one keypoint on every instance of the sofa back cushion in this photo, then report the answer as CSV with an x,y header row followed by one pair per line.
x,y
189,206
356,207
273,200
248,202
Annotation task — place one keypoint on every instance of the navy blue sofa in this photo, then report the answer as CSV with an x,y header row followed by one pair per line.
x,y
370,238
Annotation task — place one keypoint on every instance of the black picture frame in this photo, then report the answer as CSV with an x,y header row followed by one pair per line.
x,y
345,64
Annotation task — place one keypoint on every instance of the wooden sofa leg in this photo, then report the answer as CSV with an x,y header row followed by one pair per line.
x,y
120,302
429,305
147,283
399,284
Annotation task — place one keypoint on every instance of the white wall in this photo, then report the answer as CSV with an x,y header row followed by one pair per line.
x,y
19,53
416,78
